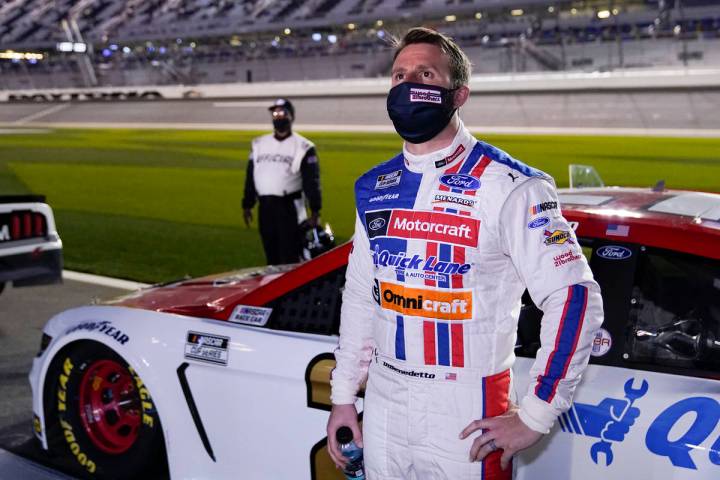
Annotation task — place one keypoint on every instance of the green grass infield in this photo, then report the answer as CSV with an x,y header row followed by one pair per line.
x,y
155,205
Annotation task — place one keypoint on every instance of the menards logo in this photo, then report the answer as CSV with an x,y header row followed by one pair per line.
x,y
421,225
419,302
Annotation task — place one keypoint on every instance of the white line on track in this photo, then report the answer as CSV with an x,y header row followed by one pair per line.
x,y
103,281
40,114
240,104
477,129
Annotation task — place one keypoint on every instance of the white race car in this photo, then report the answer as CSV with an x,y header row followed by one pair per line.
x,y
227,377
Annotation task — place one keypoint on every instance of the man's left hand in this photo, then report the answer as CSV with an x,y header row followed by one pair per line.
x,y
505,432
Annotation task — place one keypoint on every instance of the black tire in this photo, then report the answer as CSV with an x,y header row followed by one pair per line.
x,y
88,374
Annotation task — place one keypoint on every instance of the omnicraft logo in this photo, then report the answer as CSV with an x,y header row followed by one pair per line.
x,y
430,226
417,302
424,95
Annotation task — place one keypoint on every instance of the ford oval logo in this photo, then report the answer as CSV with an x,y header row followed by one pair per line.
x,y
614,252
376,224
463,182
539,222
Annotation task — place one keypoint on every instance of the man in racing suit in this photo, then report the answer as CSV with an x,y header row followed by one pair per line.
x,y
282,173
448,235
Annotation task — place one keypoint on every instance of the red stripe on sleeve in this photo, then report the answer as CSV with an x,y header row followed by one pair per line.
x,y
557,339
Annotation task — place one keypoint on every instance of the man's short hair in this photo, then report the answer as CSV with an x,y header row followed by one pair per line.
x,y
460,66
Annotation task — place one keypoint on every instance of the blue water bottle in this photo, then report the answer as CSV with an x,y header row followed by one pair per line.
x,y
354,468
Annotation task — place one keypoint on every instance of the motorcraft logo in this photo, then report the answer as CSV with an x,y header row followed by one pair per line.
x,y
455,199
418,302
614,252
558,237
207,347
542,207
429,268
425,95
460,181
421,225
450,158
388,180
384,198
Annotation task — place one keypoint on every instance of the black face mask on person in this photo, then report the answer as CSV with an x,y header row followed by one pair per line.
x,y
281,124
419,111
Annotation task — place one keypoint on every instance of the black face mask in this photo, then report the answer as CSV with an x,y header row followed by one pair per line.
x,y
419,111
281,124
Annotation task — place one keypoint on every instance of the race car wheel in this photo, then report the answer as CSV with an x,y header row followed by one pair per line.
x,y
101,417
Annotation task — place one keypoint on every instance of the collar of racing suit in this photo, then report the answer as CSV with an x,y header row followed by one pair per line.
x,y
438,160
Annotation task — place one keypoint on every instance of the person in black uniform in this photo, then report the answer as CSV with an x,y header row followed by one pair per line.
x,y
283,175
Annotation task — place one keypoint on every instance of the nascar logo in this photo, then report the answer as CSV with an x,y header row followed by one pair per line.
x,y
542,207
417,302
430,226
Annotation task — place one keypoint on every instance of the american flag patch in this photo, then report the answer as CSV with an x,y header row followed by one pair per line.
x,y
617,230
451,376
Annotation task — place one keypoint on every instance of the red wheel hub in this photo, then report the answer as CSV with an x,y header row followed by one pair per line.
x,y
110,408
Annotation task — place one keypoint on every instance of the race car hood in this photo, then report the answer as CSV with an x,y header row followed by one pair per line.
x,y
216,296
197,296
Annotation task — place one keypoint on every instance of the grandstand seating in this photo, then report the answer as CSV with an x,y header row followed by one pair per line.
x,y
215,41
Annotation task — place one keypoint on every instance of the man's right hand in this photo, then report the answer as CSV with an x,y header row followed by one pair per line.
x,y
247,216
342,415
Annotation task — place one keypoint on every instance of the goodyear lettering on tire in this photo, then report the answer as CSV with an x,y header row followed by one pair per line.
x,y
68,433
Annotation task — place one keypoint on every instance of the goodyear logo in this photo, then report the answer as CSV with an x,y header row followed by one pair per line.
x,y
419,302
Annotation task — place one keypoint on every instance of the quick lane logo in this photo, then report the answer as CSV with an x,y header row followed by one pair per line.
x,y
425,95
455,199
557,237
417,302
431,226
388,180
542,207
419,267
450,158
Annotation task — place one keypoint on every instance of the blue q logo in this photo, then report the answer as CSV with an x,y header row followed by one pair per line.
x,y
463,182
706,414
614,252
609,421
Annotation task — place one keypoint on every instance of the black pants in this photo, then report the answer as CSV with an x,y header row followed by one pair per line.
x,y
278,221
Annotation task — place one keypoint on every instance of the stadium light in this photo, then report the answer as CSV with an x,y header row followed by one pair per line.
x,y
381,33
106,52
615,11
450,18
573,11
317,36
516,12
287,31
12,55
126,50
235,41
113,47
551,9
79,47
677,29
332,38
478,16
603,14
379,23
193,44
351,26
65,47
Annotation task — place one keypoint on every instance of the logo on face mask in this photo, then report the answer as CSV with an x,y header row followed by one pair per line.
x,y
425,95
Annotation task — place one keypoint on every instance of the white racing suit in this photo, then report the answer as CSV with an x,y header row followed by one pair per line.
x,y
445,244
